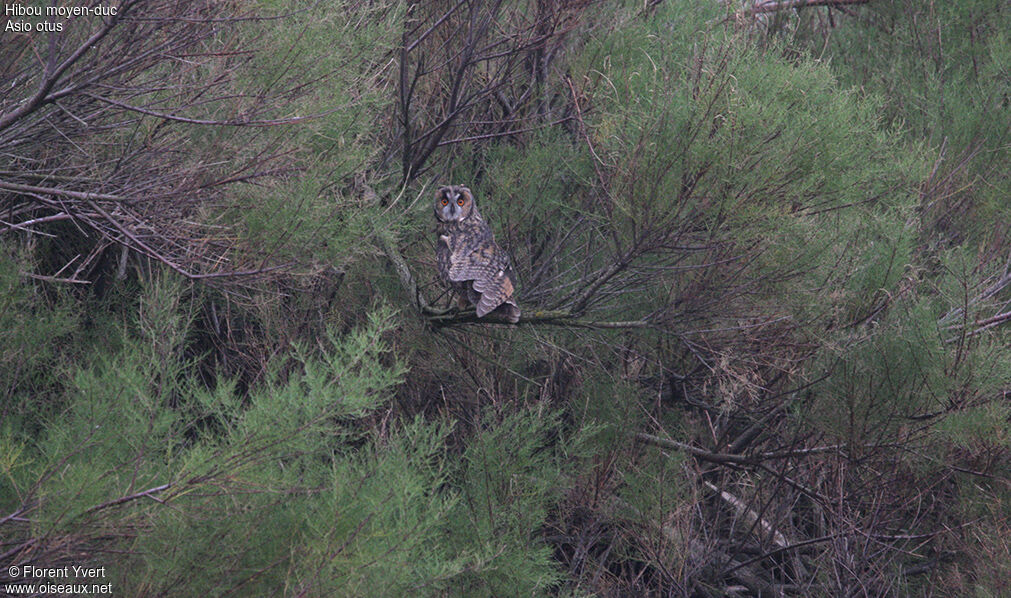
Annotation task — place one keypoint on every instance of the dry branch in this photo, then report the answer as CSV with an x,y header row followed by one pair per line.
x,y
750,516
767,6
94,140
465,75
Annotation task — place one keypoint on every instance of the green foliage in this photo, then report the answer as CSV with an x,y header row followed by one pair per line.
x,y
978,427
510,476
656,499
878,379
32,328
945,70
282,488
335,52
908,360
728,147
754,135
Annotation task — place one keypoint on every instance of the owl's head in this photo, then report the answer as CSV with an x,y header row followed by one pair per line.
x,y
454,203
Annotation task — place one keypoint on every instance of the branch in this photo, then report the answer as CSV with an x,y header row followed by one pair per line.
x,y
981,325
732,458
441,318
404,274
767,6
55,278
124,499
131,239
750,515
694,451
50,78
434,26
549,317
786,548
27,189
216,123
26,225
15,515
505,133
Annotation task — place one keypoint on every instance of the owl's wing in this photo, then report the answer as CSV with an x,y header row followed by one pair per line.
x,y
497,292
486,266
477,261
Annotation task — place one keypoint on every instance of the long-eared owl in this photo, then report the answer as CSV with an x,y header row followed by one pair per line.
x,y
470,261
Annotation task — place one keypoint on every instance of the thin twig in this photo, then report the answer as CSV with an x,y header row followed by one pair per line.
x,y
125,499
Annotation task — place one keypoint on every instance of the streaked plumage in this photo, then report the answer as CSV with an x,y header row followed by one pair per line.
x,y
469,260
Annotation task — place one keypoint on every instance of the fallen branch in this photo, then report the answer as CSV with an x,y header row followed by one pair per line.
x,y
751,517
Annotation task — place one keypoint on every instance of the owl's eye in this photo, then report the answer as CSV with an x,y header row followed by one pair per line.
x,y
445,201
460,201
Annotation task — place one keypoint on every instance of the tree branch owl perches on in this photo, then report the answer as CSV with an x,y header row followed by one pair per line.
x,y
470,262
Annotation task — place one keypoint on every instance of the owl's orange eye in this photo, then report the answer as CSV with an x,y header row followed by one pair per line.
x,y
459,202
445,201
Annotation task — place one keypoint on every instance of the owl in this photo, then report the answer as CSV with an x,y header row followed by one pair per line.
x,y
470,262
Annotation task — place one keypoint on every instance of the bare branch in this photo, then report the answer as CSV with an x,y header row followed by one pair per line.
x,y
767,6
53,75
149,493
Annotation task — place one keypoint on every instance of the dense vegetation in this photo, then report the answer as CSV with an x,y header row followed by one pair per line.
x,y
763,260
